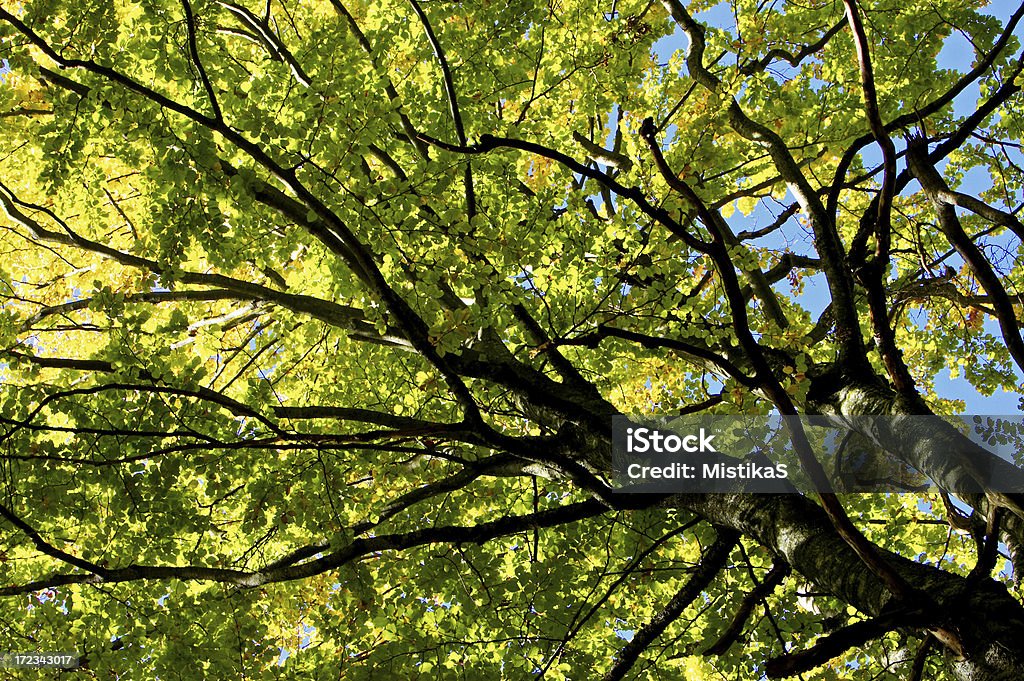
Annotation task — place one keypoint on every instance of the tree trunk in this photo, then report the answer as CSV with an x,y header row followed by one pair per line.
x,y
985,616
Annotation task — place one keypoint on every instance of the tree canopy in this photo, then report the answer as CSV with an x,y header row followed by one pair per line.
x,y
314,318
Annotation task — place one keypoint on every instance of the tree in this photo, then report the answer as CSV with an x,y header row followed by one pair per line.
x,y
315,319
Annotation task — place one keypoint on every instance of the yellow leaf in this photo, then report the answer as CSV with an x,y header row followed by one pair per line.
x,y
747,204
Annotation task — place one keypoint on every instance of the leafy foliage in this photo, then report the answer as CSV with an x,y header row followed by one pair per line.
x,y
315,316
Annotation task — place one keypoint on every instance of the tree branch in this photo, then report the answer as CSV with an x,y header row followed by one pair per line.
x,y
635,194
780,570
268,39
932,107
389,87
933,185
873,276
708,355
453,103
193,49
794,59
350,551
822,223
712,562
833,645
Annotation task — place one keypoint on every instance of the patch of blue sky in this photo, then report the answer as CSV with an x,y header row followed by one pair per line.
x,y
434,603
307,632
720,16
